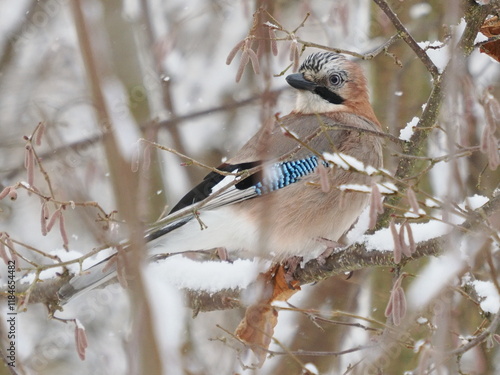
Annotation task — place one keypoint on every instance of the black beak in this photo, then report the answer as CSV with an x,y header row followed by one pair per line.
x,y
297,81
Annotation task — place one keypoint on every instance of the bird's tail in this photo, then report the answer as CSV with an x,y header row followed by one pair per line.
x,y
105,270
89,279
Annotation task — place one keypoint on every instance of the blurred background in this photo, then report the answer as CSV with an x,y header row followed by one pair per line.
x,y
162,70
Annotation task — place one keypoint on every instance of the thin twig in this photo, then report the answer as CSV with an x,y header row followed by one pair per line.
x,y
406,36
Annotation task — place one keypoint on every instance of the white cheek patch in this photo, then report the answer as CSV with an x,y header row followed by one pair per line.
x,y
308,102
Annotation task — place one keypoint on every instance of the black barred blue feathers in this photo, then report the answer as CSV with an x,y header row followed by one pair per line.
x,y
282,174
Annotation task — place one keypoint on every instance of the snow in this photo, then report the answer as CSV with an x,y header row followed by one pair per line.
x,y
437,52
420,343
66,256
431,203
439,272
311,368
476,201
355,187
420,10
382,239
184,273
413,215
347,162
387,188
79,325
360,227
168,315
489,293
406,133
336,159
480,37
52,272
422,320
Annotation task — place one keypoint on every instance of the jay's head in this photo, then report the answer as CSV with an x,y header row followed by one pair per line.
x,y
328,82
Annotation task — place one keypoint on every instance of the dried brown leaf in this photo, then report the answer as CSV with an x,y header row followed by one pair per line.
x,y
3,253
397,244
257,328
43,218
80,339
411,240
62,230
53,219
491,28
483,145
323,178
121,268
5,192
146,158
396,307
13,253
274,44
255,60
39,133
493,157
136,158
245,58
295,55
404,247
29,164
12,193
412,200
389,307
234,51
376,205
492,112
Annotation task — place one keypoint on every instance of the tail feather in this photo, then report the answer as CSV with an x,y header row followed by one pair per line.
x,y
102,272
91,278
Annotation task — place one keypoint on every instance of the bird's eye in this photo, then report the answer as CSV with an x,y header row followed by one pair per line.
x,y
336,79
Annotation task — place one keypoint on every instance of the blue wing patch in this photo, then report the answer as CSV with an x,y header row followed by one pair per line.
x,y
285,173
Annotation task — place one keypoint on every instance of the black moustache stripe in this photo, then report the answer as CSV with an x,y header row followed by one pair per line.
x,y
328,95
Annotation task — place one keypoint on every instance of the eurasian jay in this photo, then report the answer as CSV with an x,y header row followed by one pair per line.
x,y
293,201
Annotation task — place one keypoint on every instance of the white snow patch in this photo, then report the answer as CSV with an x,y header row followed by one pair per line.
x,y
360,227
431,203
418,345
66,256
422,320
381,240
433,278
387,188
211,277
487,291
406,133
311,368
52,272
348,162
476,201
414,215
420,10
437,52
79,325
336,159
480,37
355,187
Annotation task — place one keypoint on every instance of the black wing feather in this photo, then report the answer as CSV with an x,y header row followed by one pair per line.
x,y
204,188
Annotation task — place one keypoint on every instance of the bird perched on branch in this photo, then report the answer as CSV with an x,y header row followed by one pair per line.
x,y
279,195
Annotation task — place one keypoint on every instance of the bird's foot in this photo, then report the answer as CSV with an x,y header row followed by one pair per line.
x,y
290,266
330,248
